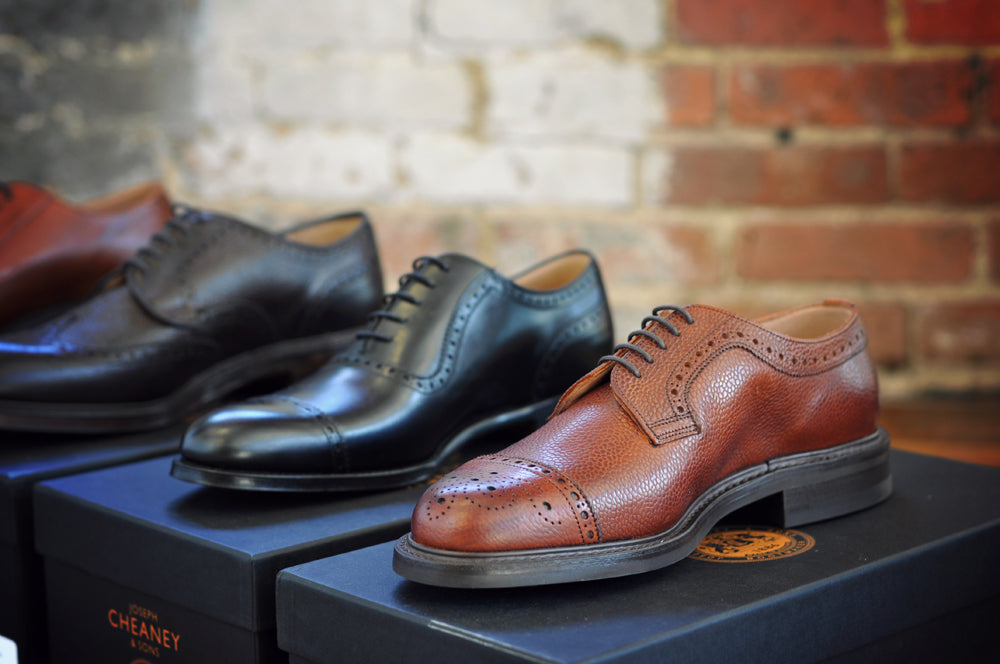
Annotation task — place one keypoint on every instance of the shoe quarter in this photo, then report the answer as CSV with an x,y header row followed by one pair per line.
x,y
660,400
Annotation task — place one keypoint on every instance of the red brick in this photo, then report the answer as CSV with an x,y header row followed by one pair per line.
x,y
884,94
629,253
886,328
993,246
951,172
782,22
993,92
967,22
689,93
934,252
404,235
961,331
779,176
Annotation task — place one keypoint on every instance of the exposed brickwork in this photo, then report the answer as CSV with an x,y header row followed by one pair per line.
x,y
993,244
993,92
939,252
782,22
964,172
879,94
650,252
961,331
689,94
971,22
778,176
755,155
886,328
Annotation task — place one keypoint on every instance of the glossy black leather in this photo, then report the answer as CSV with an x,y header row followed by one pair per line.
x,y
207,290
474,346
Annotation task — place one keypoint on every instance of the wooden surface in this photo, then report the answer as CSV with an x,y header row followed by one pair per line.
x,y
965,429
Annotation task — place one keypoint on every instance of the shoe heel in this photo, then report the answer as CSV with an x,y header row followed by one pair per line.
x,y
844,488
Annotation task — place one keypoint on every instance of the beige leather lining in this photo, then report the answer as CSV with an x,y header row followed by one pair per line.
x,y
324,234
809,323
122,200
554,274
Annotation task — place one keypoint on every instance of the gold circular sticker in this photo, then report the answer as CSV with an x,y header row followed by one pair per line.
x,y
749,544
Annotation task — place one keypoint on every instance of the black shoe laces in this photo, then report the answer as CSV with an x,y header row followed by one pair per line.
x,y
643,332
172,233
390,299
6,191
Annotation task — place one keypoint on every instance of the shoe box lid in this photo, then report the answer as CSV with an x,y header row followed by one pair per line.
x,y
27,458
213,551
928,552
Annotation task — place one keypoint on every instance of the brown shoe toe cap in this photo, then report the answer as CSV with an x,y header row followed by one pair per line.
x,y
503,503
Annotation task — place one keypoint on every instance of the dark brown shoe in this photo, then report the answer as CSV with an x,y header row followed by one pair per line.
x,y
210,306
700,413
52,252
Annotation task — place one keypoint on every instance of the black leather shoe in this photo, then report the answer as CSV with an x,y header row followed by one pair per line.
x,y
457,353
209,306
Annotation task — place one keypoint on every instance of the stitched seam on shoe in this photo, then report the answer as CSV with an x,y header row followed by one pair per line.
x,y
587,321
535,299
552,478
332,434
453,337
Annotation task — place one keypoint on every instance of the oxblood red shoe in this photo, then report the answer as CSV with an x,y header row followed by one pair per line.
x,y
53,252
700,413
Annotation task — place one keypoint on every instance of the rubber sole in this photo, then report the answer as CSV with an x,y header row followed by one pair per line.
x,y
288,360
522,420
810,486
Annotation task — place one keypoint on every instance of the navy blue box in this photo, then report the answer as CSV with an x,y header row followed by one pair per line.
x,y
28,458
913,579
142,566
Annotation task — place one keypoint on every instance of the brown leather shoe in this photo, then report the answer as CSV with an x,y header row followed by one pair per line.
x,y
700,413
53,252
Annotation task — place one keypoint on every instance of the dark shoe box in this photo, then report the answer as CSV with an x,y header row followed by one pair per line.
x,y
141,566
913,579
28,458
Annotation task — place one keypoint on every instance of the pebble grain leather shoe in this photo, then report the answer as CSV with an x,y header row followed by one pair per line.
x,y
700,413
52,252
209,306
458,353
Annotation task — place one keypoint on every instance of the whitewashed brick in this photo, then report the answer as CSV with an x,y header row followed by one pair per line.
x,y
381,91
657,166
472,23
270,25
456,169
306,163
223,88
571,93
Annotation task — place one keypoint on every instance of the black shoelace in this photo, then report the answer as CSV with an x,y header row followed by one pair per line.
x,y
175,230
643,332
6,191
402,294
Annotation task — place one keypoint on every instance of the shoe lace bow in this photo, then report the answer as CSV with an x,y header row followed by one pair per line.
x,y
643,331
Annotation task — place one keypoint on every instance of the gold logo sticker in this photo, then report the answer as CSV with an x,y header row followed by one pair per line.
x,y
749,544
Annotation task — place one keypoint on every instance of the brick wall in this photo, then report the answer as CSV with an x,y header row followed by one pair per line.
x,y
754,154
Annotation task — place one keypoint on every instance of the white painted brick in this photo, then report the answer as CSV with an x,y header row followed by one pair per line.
x,y
306,163
269,25
657,165
456,169
223,88
472,23
571,93
381,91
